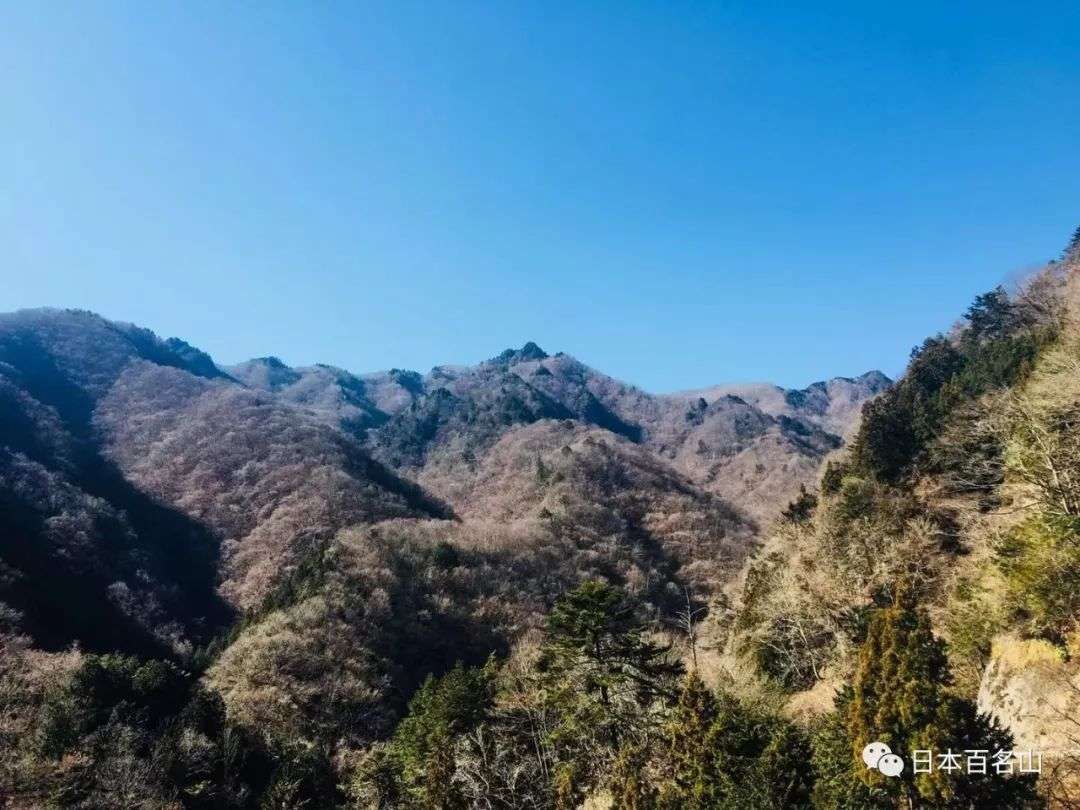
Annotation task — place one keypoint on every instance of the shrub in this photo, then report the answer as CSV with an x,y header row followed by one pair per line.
x,y
722,754
1040,562
110,687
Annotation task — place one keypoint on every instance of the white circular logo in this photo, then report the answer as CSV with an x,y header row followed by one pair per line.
x,y
873,752
891,765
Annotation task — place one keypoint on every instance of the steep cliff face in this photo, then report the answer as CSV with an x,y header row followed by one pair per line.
x,y
1033,688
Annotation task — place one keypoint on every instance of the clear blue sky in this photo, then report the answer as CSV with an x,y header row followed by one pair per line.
x,y
679,193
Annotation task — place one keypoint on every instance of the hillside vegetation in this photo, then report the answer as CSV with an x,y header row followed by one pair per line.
x,y
524,584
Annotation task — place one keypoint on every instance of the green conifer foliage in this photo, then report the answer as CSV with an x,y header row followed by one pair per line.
x,y
722,755
596,640
900,698
603,679
422,750
802,508
897,687
632,786
692,778
1072,250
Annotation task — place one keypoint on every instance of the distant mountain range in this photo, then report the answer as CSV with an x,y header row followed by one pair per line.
x,y
753,444
168,492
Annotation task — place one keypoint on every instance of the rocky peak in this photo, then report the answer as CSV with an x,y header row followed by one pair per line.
x,y
530,351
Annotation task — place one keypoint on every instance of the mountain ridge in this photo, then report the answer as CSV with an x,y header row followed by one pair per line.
x,y
225,520
519,386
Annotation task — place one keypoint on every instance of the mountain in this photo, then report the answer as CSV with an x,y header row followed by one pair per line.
x,y
264,477
122,569
753,453
752,445
225,474
331,394
954,506
832,405
295,549
175,478
383,604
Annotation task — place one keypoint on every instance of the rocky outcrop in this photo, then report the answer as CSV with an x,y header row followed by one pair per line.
x,y
1033,688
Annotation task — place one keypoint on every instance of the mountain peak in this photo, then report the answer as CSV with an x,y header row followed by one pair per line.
x,y
266,373
878,380
530,351
271,361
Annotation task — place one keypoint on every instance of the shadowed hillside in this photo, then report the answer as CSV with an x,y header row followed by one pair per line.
x,y
222,585
87,556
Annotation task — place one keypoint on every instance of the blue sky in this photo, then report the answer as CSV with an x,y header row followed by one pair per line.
x,y
678,193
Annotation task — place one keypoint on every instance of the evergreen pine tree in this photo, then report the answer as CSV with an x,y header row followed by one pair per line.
x,y
440,792
900,698
691,780
602,679
838,785
422,750
722,755
990,316
802,508
595,637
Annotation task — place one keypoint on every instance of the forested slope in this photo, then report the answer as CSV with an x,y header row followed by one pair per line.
x,y
924,596
220,587
526,584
